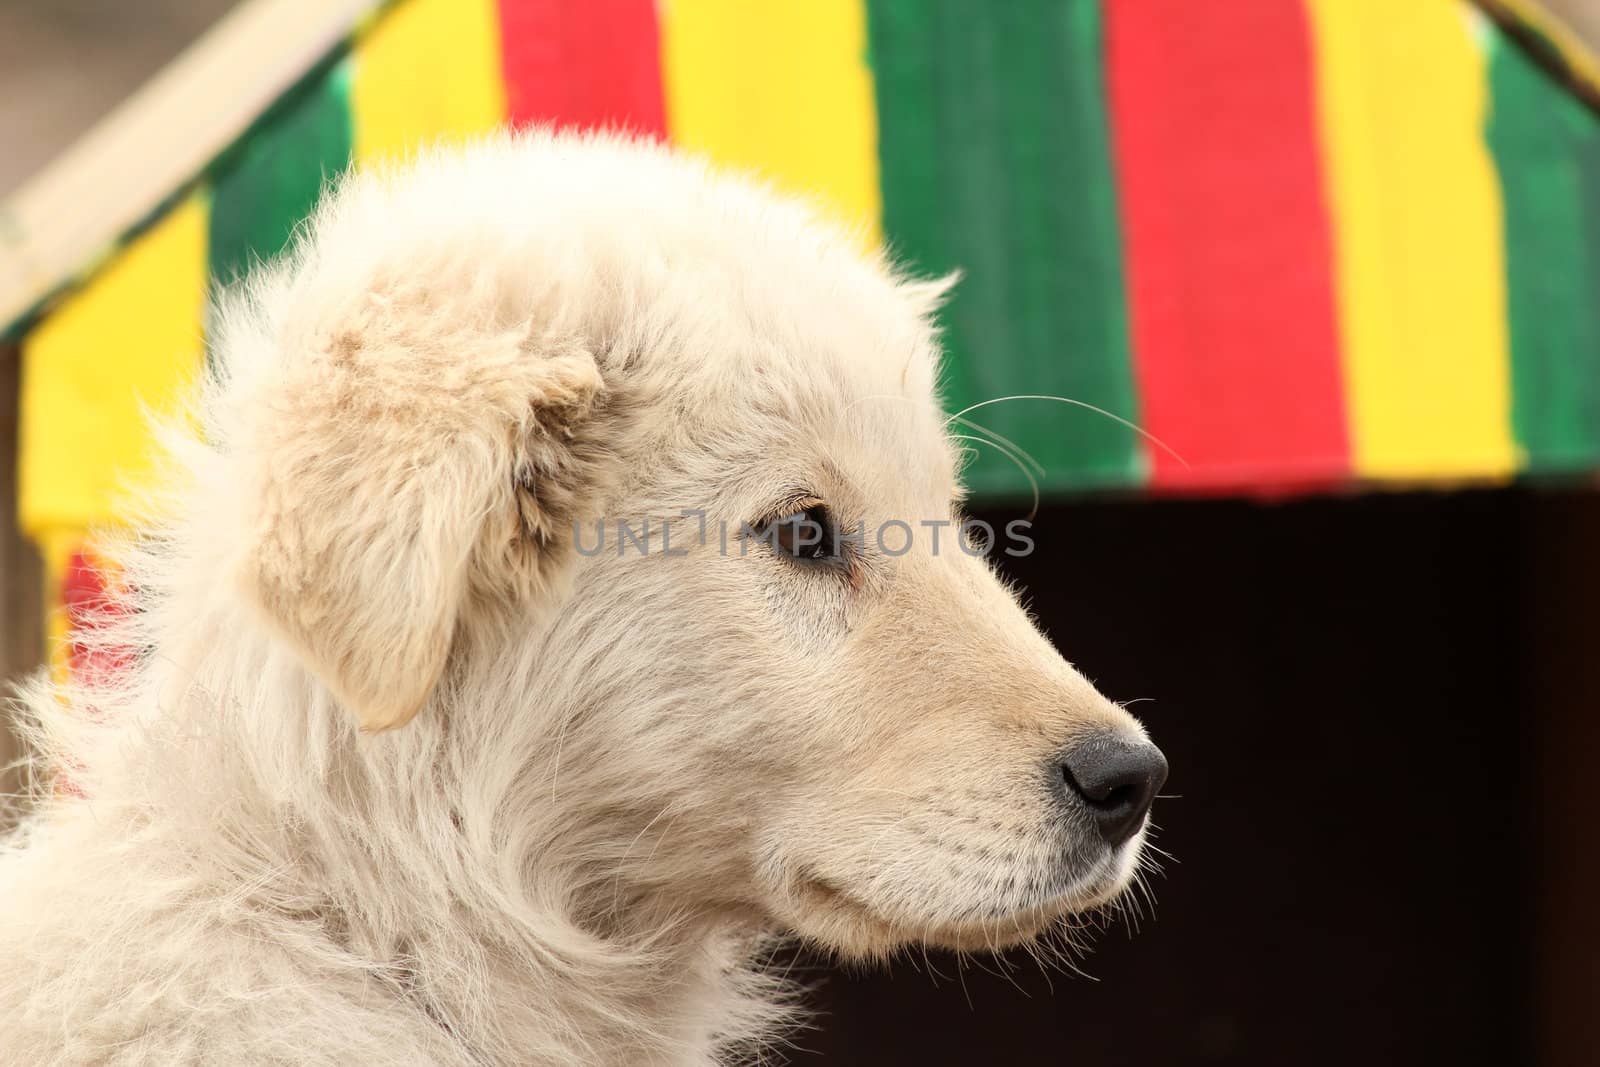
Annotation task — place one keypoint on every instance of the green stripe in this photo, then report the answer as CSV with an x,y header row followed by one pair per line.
x,y
1547,148
273,177
995,159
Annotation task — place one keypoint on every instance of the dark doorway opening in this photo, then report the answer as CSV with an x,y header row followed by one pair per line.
x,y
1381,713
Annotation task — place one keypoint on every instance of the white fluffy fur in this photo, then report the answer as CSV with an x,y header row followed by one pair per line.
x,y
401,777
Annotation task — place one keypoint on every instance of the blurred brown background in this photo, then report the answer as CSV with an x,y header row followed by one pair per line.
x,y
65,63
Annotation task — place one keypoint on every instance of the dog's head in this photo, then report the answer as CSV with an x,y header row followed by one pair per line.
x,y
636,478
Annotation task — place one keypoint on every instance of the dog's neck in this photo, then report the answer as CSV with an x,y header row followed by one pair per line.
x,y
513,939
599,1002
577,980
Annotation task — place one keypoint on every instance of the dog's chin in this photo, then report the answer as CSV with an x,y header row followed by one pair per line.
x,y
830,915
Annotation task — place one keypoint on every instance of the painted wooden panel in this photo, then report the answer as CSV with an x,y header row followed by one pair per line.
x,y
427,73
1404,98
268,184
1547,148
780,87
594,64
1227,242
996,161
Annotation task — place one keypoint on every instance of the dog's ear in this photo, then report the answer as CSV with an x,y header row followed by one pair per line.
x,y
929,295
396,480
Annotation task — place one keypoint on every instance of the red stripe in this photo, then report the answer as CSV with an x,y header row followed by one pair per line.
x,y
91,605
596,63
1228,250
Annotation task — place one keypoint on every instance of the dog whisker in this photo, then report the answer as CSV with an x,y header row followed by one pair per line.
x,y
1147,435
1038,468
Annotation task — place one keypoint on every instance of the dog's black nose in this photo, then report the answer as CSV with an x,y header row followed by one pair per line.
x,y
1116,780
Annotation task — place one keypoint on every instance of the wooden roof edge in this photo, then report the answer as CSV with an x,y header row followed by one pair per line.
x,y
159,141
1555,45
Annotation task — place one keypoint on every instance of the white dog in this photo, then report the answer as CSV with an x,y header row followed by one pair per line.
x,y
413,767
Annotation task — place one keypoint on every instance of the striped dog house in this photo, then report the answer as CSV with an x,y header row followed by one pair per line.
x,y
1305,244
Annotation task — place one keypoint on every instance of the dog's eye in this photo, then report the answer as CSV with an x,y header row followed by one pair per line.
x,y
809,536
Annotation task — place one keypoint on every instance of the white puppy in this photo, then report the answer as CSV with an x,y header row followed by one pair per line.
x,y
412,767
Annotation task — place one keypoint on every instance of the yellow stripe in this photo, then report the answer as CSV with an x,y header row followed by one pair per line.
x,y
56,547
426,71
781,87
130,340
1403,93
